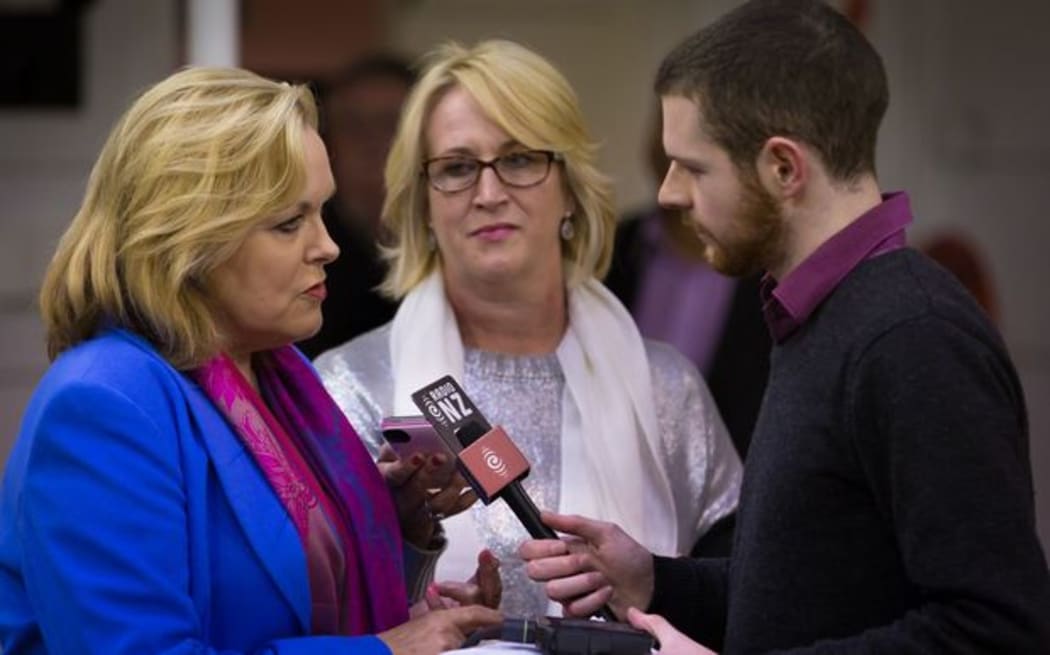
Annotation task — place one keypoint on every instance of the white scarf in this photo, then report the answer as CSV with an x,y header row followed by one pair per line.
x,y
612,454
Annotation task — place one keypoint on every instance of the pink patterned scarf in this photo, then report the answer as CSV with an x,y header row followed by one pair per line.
x,y
328,483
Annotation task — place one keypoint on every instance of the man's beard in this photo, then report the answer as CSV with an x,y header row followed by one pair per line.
x,y
756,236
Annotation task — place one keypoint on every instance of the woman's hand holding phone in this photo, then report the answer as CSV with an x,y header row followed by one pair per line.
x,y
421,473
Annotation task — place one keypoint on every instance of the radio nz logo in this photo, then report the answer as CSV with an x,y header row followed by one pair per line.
x,y
494,462
449,407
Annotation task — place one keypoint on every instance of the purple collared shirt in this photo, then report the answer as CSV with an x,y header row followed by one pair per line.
x,y
787,304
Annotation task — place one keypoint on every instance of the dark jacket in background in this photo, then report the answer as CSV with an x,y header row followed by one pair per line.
x,y
353,306
740,366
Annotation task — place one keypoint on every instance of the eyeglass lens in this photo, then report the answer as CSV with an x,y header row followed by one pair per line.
x,y
518,169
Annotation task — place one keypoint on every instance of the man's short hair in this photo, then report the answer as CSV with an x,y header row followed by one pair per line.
x,y
791,68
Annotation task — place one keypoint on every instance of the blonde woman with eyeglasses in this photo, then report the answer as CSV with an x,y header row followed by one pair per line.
x,y
501,228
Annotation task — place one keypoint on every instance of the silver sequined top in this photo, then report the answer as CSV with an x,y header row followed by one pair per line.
x,y
523,394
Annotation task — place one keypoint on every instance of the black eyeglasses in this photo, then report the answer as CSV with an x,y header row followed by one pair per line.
x,y
520,169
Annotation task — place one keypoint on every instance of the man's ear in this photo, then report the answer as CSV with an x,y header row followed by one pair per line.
x,y
783,167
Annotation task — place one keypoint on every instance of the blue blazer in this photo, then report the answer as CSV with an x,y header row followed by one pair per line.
x,y
133,521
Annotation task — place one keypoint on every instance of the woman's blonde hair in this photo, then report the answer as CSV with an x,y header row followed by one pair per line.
x,y
532,102
196,162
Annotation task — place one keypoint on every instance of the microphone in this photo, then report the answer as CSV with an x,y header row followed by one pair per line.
x,y
486,455
513,494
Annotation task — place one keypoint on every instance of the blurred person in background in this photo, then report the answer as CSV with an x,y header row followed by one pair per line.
x,y
181,481
360,107
960,255
501,227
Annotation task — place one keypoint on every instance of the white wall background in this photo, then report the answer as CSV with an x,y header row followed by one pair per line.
x,y
966,135
45,158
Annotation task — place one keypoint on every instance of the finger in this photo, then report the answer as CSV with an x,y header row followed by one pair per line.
x,y
588,605
448,636
418,609
417,522
641,620
442,464
453,480
655,625
411,502
432,597
387,454
563,566
487,577
469,618
399,472
466,499
463,593
444,499
585,528
438,471
483,588
535,549
566,589
452,503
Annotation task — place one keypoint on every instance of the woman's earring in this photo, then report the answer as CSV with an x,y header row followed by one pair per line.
x,y
431,241
568,230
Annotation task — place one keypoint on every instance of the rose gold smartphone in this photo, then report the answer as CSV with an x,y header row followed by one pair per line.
x,y
409,435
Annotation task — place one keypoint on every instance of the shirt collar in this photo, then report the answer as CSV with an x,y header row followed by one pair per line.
x,y
788,304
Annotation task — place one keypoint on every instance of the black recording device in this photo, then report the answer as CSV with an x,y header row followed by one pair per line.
x,y
556,636
486,456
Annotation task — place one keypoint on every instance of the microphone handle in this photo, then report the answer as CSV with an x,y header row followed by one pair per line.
x,y
521,504
527,512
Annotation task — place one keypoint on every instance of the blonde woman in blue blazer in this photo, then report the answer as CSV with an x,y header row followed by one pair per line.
x,y
181,482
